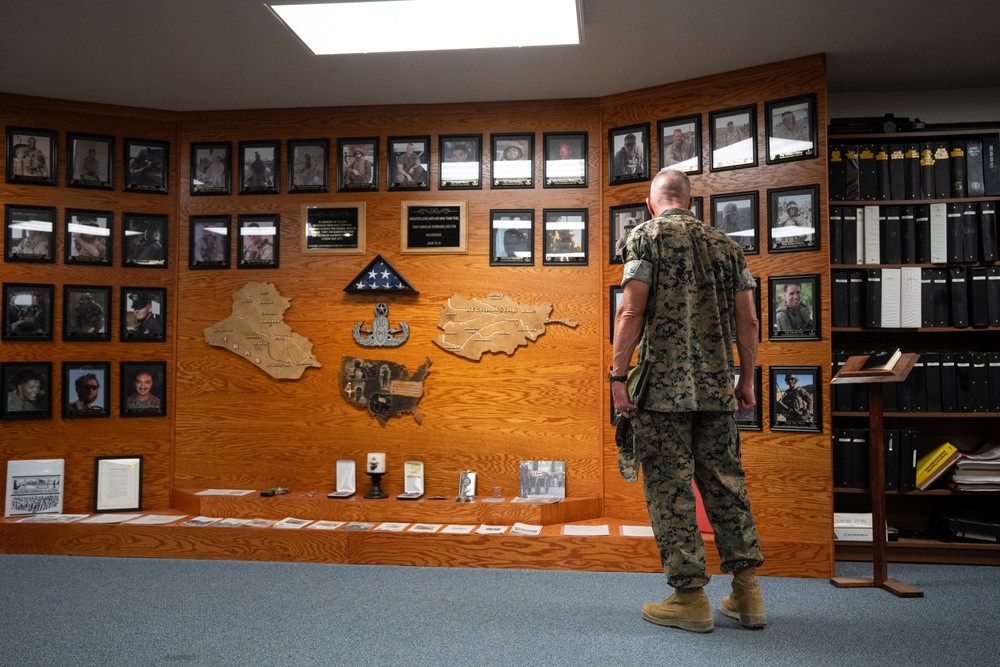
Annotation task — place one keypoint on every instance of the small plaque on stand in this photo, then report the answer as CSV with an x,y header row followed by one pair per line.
x,y
413,480
346,480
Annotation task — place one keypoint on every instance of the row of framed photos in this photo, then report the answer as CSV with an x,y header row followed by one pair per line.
x,y
29,308
28,388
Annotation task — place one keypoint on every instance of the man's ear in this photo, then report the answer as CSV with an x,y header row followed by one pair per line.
x,y
649,207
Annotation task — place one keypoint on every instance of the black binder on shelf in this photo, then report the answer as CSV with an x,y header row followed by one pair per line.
x,y
963,381
842,465
850,235
867,178
841,299
979,381
907,460
979,305
949,395
856,298
860,477
891,442
942,298
882,184
991,166
993,294
835,172
911,165
917,381
873,299
974,168
897,171
842,392
836,234
993,376
953,233
958,291
890,245
927,170
987,231
970,232
942,170
852,177
932,381
956,159
908,234
927,296
922,225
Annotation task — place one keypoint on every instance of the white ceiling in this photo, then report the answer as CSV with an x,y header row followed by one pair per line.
x,y
185,55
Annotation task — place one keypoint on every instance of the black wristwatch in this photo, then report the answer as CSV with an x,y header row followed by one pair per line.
x,y
616,378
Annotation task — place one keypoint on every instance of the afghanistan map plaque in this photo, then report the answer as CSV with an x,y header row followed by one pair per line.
x,y
386,389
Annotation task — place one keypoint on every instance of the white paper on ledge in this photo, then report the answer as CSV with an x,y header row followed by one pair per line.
x,y
586,530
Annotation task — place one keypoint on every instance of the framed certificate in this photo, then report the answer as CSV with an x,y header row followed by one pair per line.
x,y
433,227
117,483
334,229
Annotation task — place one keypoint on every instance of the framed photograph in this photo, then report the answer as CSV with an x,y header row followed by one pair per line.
x,y
796,398
88,237
512,237
792,219
791,128
117,483
143,388
565,160
623,219
461,162
698,208
565,237
147,166
260,164
433,227
734,138
628,154
144,240
143,314
26,391
750,419
615,293
309,165
90,161
210,170
31,156
512,160
335,229
86,389
257,242
208,241
28,310
735,215
357,164
86,313
680,143
409,161
29,234
793,307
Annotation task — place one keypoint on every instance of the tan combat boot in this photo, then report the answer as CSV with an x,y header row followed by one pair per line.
x,y
745,604
687,609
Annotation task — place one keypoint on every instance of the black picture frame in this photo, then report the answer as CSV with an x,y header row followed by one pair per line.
x,y
628,154
145,240
26,392
32,156
142,396
258,240
800,410
86,313
622,220
565,160
146,166
28,310
123,474
751,419
735,215
460,162
260,167
308,165
793,209
358,164
512,237
88,237
512,160
79,398
733,138
29,234
564,236
208,241
90,161
791,129
698,208
142,314
433,227
680,143
615,294
794,321
211,171
408,168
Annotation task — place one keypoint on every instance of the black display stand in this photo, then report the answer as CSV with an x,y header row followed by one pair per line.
x,y
376,491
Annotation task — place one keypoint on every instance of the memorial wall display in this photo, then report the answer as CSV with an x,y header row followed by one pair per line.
x,y
384,388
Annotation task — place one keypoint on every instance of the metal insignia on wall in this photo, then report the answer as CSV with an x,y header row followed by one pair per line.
x,y
380,335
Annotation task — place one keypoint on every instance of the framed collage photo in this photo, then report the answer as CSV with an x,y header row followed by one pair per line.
x,y
86,313
29,233
512,237
565,237
27,390
143,314
90,161
32,156
208,241
144,240
257,241
86,389
461,162
512,160
336,228
433,227
792,217
309,165
117,483
147,166
357,164
615,294
750,419
796,398
791,128
88,237
28,311
733,138
260,165
143,389
565,160
680,143
735,215
211,173
623,219
409,160
628,154
793,307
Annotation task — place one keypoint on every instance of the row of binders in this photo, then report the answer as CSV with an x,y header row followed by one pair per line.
x,y
851,466
938,382
948,233
934,169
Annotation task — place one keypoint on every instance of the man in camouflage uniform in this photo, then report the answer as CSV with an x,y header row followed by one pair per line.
x,y
685,287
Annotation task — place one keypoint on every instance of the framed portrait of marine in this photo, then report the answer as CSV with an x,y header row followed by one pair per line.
x,y
792,220
145,240
309,165
142,388
29,234
680,143
628,154
211,173
791,128
90,161
750,419
260,167
460,162
26,392
86,389
88,237
796,398
409,163
794,307
208,241
86,313
28,311
512,160
735,215
143,314
32,155
564,160
733,138
565,237
147,166
258,241
622,220
512,237
357,164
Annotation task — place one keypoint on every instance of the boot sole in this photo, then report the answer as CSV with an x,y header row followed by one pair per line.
x,y
751,621
690,626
